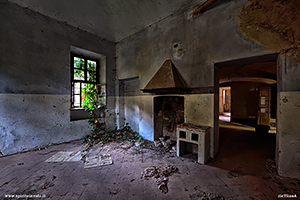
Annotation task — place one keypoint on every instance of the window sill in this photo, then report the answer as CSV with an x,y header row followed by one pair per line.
x,y
81,113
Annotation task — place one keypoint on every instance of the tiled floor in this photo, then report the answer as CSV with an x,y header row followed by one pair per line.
x,y
238,172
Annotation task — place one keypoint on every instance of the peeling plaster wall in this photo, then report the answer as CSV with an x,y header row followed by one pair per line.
x,y
146,114
288,114
192,43
35,79
288,74
288,138
199,109
274,24
31,120
198,40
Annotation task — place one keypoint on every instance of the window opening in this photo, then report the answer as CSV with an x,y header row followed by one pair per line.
x,y
85,80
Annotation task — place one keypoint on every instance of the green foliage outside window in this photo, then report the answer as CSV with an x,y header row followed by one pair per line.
x,y
89,94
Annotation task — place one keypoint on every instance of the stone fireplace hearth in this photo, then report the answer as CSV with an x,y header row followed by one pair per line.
x,y
168,113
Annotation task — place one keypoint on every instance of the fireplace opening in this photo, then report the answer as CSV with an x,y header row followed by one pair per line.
x,y
188,150
168,112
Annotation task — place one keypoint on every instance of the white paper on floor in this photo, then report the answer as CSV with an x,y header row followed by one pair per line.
x,y
65,156
97,160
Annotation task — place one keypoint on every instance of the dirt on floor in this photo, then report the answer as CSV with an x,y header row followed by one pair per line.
x,y
267,168
173,177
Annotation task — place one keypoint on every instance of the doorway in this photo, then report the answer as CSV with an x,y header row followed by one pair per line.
x,y
225,103
238,140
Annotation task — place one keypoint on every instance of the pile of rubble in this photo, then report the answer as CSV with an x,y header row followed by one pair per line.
x,y
160,175
166,144
270,165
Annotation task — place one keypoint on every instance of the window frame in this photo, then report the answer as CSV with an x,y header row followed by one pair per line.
x,y
85,81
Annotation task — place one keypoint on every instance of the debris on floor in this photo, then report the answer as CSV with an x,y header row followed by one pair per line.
x,y
98,136
235,173
97,160
65,156
165,143
127,145
289,185
207,196
270,165
113,191
160,175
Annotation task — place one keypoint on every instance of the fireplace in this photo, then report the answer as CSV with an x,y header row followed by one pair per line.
x,y
169,120
168,113
169,107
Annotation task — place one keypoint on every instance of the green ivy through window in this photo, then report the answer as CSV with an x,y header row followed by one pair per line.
x,y
84,80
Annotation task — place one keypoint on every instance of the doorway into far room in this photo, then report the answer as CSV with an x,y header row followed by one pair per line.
x,y
225,103
245,143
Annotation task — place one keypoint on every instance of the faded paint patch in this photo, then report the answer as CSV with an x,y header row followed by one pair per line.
x,y
274,24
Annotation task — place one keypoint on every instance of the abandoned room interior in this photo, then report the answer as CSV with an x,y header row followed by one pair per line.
x,y
140,99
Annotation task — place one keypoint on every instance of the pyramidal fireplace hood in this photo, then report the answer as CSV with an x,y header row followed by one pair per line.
x,y
165,80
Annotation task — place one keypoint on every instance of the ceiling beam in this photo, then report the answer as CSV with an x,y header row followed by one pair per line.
x,y
203,7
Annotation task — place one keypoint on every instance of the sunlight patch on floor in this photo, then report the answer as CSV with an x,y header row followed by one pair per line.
x,y
228,124
65,156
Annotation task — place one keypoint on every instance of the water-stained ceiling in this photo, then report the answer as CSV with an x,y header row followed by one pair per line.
x,y
113,20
